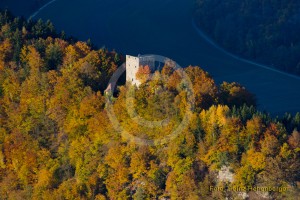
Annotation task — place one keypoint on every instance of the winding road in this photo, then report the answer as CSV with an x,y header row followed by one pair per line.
x,y
165,27
41,9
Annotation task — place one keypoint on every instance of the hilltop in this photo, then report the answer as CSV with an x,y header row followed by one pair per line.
x,y
58,141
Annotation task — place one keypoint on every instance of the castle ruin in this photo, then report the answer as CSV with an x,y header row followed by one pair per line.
x,y
132,66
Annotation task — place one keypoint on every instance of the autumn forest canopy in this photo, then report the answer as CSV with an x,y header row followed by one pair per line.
x,y
57,141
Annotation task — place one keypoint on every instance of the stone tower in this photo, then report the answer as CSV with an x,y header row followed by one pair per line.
x,y
132,66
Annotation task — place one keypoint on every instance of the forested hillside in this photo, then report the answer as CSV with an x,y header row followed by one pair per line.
x,y
57,142
266,31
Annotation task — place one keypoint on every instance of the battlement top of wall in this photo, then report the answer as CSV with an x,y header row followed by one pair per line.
x,y
141,57
131,57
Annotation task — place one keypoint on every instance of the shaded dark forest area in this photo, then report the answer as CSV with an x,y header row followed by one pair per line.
x,y
22,7
266,31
